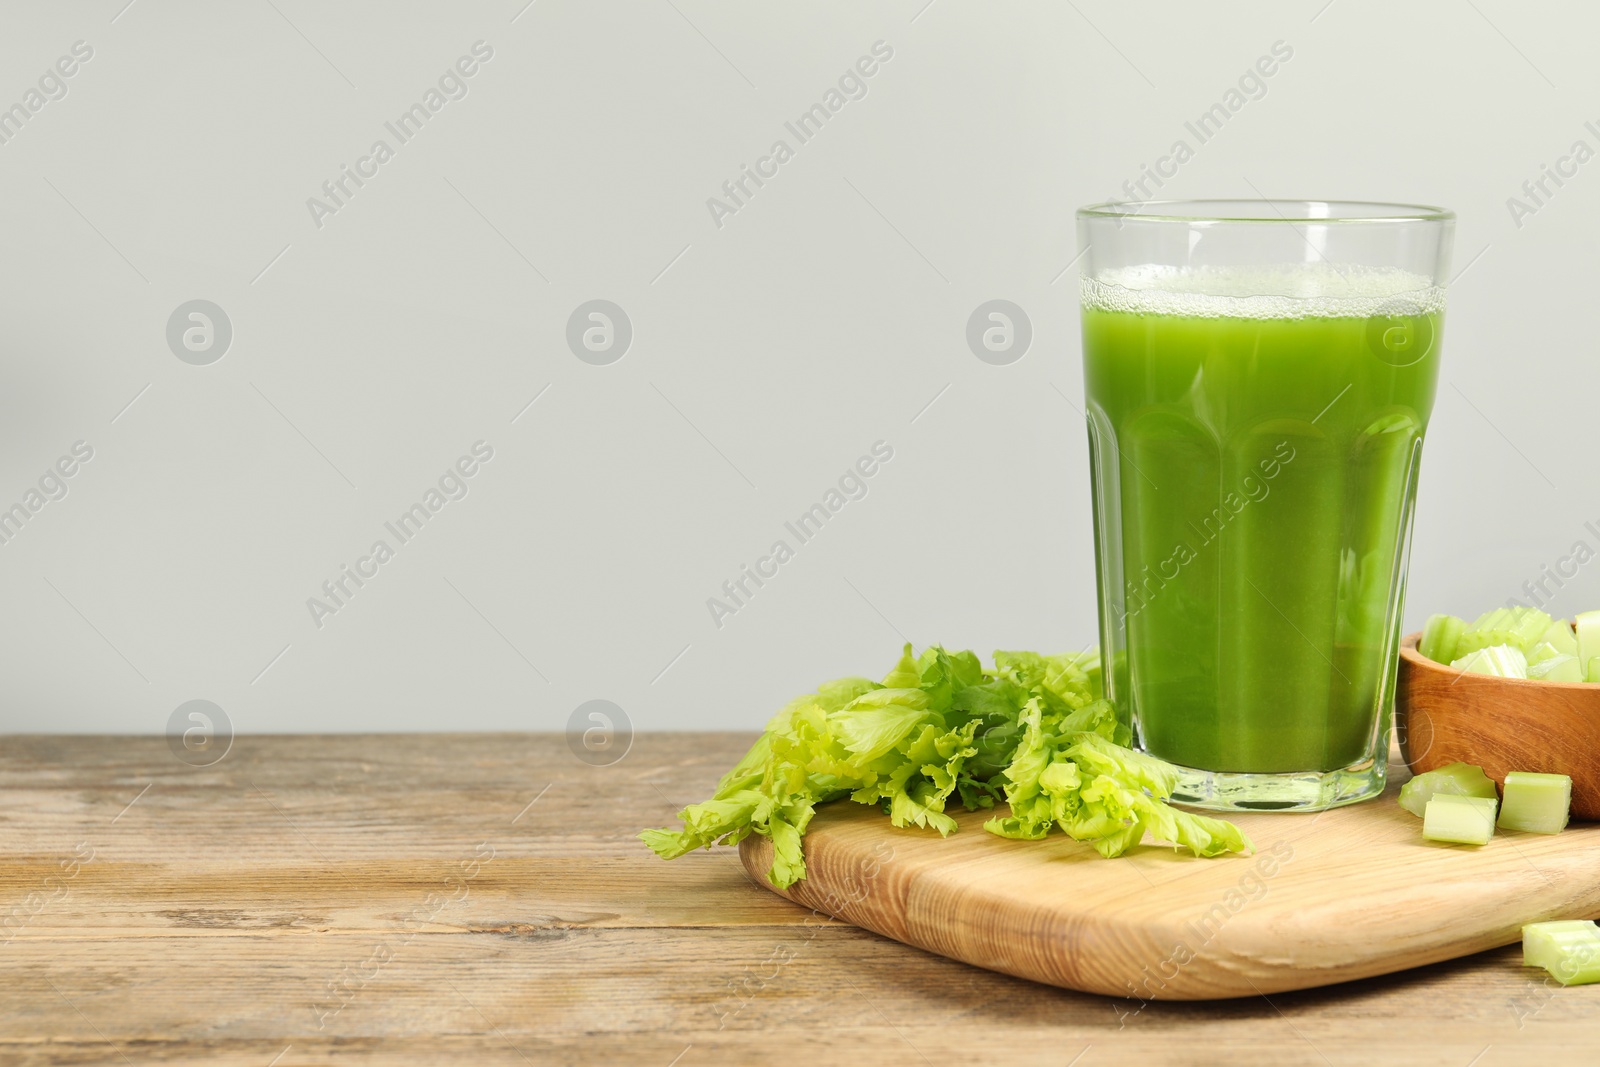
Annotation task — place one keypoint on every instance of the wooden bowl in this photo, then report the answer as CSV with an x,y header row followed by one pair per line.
x,y
1443,715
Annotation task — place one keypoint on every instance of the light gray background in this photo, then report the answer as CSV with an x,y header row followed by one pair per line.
x,y
768,354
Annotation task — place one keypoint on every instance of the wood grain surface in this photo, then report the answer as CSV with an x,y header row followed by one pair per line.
x,y
305,901
1327,897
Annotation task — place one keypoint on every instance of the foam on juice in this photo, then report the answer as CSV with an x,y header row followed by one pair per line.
x,y
1293,291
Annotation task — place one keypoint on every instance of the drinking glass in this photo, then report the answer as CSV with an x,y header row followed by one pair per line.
x,y
1258,377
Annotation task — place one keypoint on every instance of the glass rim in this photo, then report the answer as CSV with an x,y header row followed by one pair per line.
x,y
1320,212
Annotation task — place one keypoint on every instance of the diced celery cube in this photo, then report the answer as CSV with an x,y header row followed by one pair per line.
x,y
1543,651
1440,635
1556,669
1535,803
1456,779
1560,635
1587,625
1570,951
1501,661
1459,820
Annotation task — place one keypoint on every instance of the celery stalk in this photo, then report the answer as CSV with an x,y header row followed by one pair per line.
x,y
1587,625
1440,635
1558,668
1544,651
1501,661
1561,636
1459,820
1456,779
1520,628
1570,951
1535,803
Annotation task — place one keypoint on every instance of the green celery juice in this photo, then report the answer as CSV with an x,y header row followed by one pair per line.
x,y
1255,468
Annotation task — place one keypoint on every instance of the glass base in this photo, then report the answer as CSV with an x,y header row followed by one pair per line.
x,y
1289,791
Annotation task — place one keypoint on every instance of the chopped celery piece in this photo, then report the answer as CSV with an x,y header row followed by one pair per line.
x,y
1520,628
1556,669
1588,637
1570,951
1536,803
1457,779
1541,942
1440,635
1517,642
1560,635
1458,820
1502,661
1543,651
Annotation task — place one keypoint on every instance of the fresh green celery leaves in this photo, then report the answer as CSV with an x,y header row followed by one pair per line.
x,y
1033,732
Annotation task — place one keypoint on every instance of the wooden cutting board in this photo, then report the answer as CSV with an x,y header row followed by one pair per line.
x,y
1328,897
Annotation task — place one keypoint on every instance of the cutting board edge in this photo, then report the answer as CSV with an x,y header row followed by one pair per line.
x,y
1218,978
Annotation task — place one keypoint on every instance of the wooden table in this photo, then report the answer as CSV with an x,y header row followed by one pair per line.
x,y
419,899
